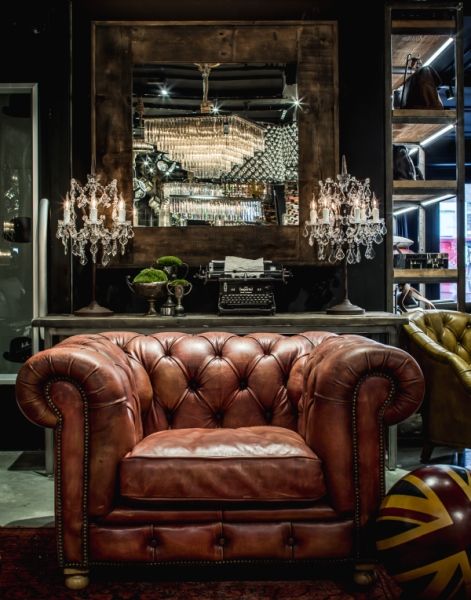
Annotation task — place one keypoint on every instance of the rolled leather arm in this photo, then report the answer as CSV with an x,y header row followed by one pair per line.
x,y
354,386
438,353
92,363
85,389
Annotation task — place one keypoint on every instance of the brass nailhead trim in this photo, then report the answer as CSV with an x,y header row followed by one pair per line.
x,y
356,462
59,518
58,473
211,563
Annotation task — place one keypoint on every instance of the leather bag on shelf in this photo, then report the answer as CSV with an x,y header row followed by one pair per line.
x,y
420,90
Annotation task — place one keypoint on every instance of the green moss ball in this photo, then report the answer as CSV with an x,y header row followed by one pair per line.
x,y
150,276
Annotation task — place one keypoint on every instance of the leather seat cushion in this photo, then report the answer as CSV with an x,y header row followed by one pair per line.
x,y
263,463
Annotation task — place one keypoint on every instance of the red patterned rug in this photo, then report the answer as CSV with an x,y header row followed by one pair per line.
x,y
28,570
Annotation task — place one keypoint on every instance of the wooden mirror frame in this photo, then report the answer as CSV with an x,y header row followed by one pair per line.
x,y
116,46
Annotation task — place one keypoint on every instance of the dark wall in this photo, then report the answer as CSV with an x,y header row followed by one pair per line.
x,y
36,47
34,43
361,77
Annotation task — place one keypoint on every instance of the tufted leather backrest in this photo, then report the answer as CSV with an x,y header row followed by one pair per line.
x,y
451,329
217,379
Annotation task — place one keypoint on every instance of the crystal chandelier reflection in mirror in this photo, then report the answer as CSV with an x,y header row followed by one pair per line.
x,y
343,218
207,145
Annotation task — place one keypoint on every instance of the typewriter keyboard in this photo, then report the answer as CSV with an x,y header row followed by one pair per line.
x,y
246,300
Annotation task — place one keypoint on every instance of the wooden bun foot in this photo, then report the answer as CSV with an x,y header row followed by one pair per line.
x,y
76,579
364,574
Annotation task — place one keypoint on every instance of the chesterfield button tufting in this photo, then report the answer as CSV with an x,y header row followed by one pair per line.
x,y
170,491
423,532
193,385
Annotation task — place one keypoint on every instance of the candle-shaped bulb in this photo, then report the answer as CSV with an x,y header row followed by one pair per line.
x,y
66,217
325,215
93,210
121,210
375,211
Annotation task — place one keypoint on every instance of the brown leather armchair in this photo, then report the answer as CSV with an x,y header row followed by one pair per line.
x,y
440,340
214,447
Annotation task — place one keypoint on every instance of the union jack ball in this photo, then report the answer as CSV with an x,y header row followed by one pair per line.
x,y
423,533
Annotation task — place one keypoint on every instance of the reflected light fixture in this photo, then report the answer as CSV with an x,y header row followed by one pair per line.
x,y
209,144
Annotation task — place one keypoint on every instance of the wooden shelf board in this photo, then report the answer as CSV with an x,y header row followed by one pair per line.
x,y
403,188
425,275
413,198
423,24
405,133
421,115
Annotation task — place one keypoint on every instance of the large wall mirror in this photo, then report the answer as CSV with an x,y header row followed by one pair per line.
x,y
216,132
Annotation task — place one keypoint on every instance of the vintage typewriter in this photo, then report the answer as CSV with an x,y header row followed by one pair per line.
x,y
245,292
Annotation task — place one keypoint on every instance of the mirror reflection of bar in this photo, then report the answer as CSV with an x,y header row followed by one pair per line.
x,y
219,178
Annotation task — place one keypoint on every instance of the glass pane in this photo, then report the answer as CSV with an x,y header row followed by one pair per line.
x,y
448,291
16,243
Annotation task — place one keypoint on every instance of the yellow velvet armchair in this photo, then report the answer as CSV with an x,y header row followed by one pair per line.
x,y
440,341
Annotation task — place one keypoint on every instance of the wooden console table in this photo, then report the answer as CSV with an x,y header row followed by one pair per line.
x,y
382,326
377,325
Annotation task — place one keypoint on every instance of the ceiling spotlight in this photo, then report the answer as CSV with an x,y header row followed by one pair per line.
x,y
215,109
296,102
164,92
